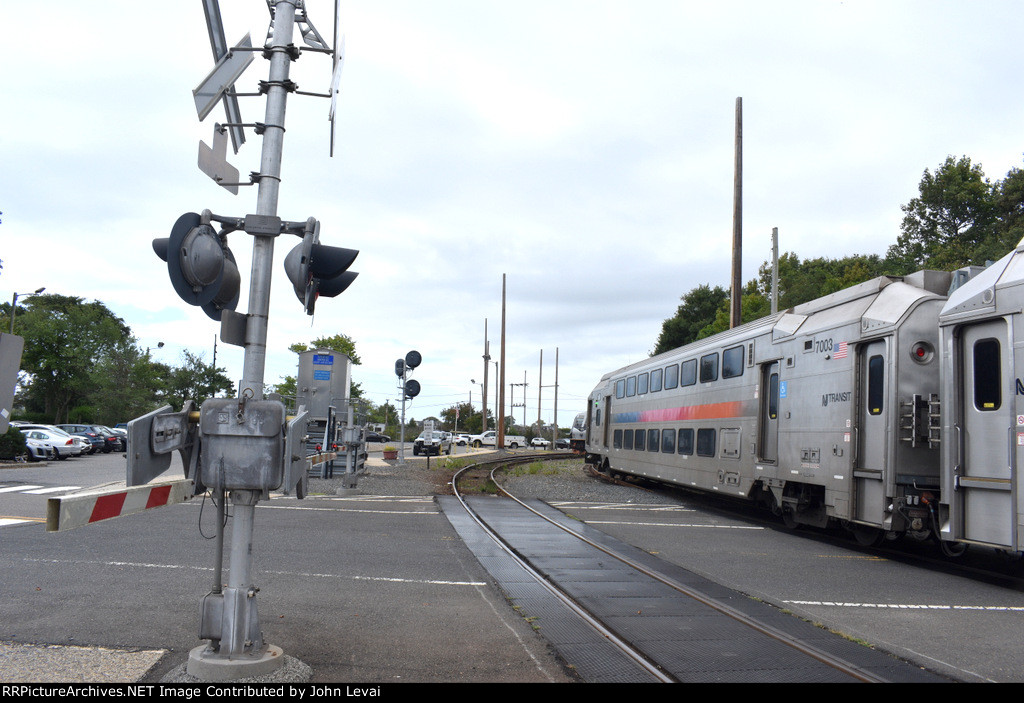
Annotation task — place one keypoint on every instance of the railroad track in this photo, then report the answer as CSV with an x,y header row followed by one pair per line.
x,y
486,471
978,563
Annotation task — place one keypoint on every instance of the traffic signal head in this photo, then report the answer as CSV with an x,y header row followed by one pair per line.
x,y
201,267
318,270
412,388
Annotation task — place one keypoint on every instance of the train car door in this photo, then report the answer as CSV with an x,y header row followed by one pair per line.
x,y
872,432
984,483
607,420
769,444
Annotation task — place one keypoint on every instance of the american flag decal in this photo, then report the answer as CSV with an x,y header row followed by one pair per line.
x,y
840,351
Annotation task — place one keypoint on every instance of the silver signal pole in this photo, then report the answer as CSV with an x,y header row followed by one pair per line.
x,y
241,651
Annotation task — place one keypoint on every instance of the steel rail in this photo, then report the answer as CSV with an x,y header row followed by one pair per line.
x,y
807,649
564,598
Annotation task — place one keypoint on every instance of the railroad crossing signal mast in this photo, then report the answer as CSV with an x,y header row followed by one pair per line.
x,y
242,447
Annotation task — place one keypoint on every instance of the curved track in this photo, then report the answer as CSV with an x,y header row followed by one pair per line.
x,y
804,648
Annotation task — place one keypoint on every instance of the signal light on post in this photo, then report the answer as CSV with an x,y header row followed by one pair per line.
x,y
317,270
201,267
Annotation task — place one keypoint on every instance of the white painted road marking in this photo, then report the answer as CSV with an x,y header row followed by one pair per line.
x,y
907,606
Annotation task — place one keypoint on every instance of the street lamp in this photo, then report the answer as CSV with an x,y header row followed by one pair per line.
x,y
14,301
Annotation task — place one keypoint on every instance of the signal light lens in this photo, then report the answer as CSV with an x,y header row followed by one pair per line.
x,y
922,352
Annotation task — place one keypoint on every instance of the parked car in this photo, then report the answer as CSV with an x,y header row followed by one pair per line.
x,y
539,442
37,449
561,443
97,442
111,442
432,443
371,436
462,440
60,444
120,435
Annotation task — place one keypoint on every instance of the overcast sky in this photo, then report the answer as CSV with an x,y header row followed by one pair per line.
x,y
583,148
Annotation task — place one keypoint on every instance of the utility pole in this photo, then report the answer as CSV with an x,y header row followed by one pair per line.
x,y
775,270
540,386
500,437
736,316
554,423
487,363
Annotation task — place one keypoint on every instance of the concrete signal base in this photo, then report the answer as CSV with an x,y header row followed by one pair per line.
x,y
206,665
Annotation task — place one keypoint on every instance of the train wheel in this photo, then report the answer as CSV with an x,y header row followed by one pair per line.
x,y
953,549
789,519
868,536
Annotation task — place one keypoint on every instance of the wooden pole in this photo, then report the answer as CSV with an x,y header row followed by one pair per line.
x,y
487,363
500,444
775,270
737,222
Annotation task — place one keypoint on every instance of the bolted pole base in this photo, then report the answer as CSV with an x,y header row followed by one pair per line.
x,y
208,665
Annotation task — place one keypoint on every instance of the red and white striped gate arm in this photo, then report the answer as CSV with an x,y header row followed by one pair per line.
x,y
78,509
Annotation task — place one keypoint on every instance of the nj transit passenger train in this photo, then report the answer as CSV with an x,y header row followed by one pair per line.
x,y
892,407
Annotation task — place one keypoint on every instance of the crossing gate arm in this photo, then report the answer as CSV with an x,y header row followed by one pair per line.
x,y
77,509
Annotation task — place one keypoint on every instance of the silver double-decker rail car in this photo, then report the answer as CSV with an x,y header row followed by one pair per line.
x,y
826,413
982,346
578,434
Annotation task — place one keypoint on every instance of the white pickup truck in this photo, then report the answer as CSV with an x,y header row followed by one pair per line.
x,y
490,439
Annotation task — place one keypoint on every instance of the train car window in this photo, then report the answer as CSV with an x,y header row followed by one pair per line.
x,y
671,376
773,396
642,383
685,441
653,440
732,362
631,386
655,380
640,440
620,388
705,442
668,441
627,439
987,375
617,439
688,374
876,384
709,368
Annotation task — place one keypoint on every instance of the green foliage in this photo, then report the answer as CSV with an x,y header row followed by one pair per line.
x,y
338,342
195,380
959,218
699,308
469,419
66,341
81,363
12,443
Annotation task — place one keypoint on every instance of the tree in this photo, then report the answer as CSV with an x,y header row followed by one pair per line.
x,y
66,341
469,419
953,217
338,342
804,280
127,384
196,380
698,311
